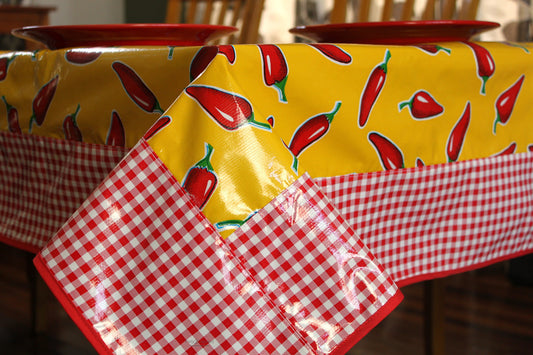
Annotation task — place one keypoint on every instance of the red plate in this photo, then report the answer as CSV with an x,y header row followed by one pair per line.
x,y
56,37
395,32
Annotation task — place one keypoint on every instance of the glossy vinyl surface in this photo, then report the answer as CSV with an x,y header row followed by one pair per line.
x,y
57,37
394,32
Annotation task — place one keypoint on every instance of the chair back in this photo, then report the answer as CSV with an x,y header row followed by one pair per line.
x,y
243,14
433,10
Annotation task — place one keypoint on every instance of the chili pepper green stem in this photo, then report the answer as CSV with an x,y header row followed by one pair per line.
x,y
333,112
496,123
280,85
206,161
440,48
229,223
258,124
385,61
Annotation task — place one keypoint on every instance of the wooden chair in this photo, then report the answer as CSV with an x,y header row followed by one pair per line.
x,y
451,9
243,14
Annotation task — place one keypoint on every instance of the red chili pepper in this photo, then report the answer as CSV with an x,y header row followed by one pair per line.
x,y
390,155
42,101
70,127
229,51
12,118
333,52
509,150
229,110
81,56
205,56
161,123
270,121
116,135
422,105
530,147
309,132
484,61
136,88
506,102
4,65
457,135
275,69
201,179
201,60
372,89
420,163
432,48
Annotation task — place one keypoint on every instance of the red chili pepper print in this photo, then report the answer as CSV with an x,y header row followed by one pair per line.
x,y
201,180
419,163
505,103
530,148
70,127
136,88
4,65
372,89
81,56
229,110
41,102
310,132
422,105
201,60
275,68
229,51
161,123
116,135
509,150
485,63
433,48
12,118
333,52
390,155
457,135
205,56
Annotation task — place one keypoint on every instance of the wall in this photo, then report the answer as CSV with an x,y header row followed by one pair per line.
x,y
77,12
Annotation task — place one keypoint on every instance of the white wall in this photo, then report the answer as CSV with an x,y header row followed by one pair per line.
x,y
77,12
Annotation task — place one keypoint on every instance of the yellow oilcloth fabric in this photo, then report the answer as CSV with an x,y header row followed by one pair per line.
x,y
428,105
89,90
243,122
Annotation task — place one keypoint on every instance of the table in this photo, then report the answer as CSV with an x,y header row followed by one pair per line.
x,y
262,198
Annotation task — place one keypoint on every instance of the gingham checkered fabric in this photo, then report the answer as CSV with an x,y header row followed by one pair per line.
x,y
43,181
314,268
140,269
437,220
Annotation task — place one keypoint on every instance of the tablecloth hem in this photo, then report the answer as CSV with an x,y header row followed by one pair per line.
x,y
85,327
370,324
446,273
19,245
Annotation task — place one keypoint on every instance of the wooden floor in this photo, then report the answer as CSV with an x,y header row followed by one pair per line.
x,y
485,314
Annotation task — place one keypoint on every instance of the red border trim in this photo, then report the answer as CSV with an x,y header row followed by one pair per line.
x,y
436,275
19,245
82,323
370,323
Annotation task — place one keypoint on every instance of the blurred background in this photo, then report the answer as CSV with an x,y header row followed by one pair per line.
x,y
279,15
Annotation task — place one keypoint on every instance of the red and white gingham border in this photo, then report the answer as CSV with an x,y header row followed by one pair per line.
x,y
43,181
315,269
438,220
141,270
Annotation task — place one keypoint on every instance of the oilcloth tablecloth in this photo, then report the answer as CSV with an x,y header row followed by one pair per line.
x,y
279,200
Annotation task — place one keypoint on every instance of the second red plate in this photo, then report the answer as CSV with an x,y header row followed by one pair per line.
x,y
394,32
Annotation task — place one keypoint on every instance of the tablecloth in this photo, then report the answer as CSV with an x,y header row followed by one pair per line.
x,y
277,203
